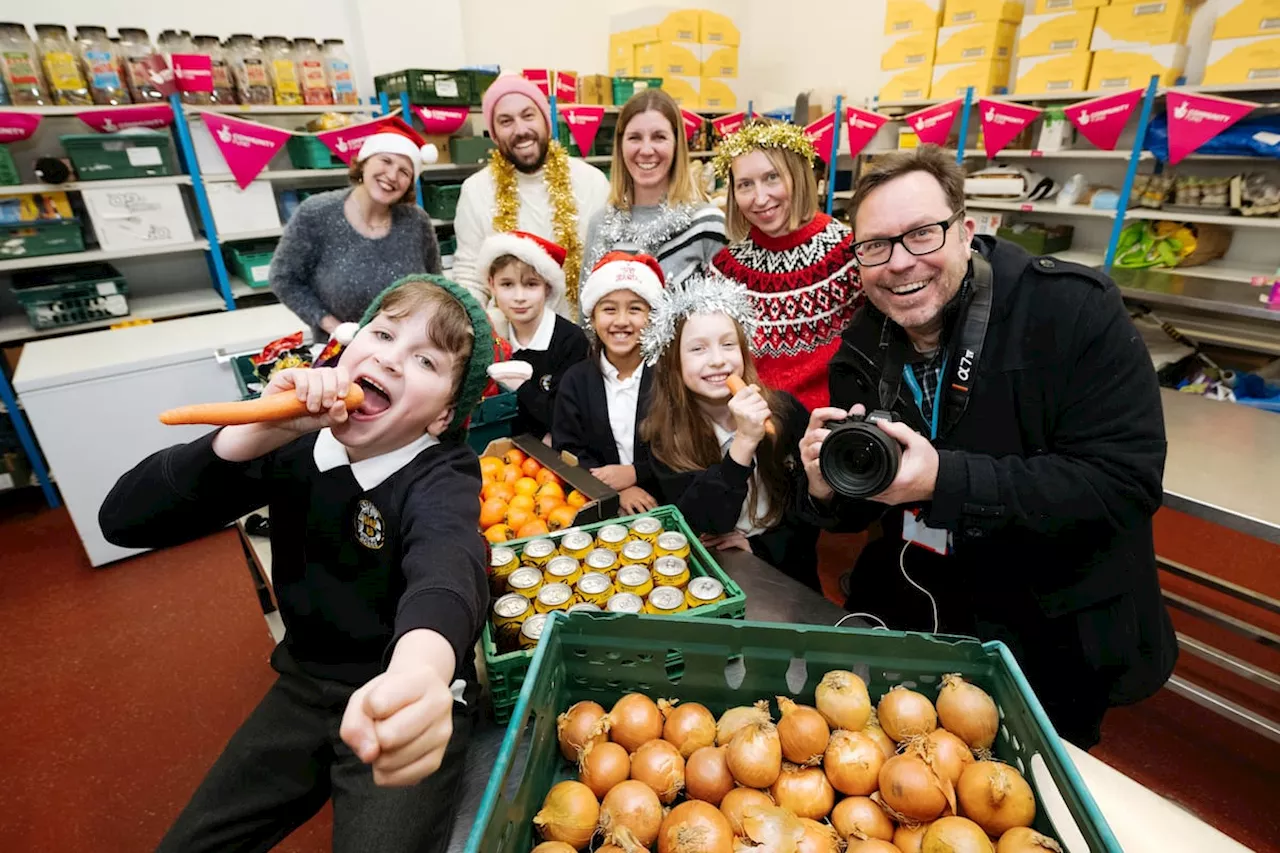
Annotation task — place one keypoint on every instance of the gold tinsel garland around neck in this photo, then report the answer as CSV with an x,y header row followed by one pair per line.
x,y
758,134
564,208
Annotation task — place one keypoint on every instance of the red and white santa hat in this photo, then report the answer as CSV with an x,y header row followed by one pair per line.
x,y
640,274
395,136
546,258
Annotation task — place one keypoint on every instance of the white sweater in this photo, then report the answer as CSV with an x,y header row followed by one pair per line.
x,y
474,220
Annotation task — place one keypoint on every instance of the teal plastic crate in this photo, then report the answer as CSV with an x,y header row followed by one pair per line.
x,y
465,150
247,377
507,671
625,87
251,262
110,156
480,83
492,419
308,152
40,237
8,168
67,296
427,87
441,200
602,656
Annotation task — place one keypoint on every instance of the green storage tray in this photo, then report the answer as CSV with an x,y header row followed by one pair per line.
x,y
495,415
602,656
570,145
480,83
507,672
110,156
625,87
308,152
441,200
8,168
251,262
1040,239
42,237
464,150
448,246
427,87
247,377
66,296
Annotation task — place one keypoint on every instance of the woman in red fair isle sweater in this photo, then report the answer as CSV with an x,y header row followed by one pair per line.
x,y
797,263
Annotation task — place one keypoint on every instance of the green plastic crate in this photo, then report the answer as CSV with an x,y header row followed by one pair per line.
x,y
602,656
66,296
251,262
41,237
308,152
465,150
8,168
247,377
427,87
493,418
625,87
448,246
480,83
570,144
507,672
441,200
110,156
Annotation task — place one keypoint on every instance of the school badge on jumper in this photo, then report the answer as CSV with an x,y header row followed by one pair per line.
x,y
545,382
370,529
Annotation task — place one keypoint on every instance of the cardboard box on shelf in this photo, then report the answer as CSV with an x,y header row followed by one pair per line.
x,y
987,223
238,210
1044,7
1051,75
1162,22
138,217
622,54
717,29
975,42
907,139
907,85
1246,18
911,50
905,16
719,93
1064,32
686,91
1132,68
988,77
669,59
719,61
957,12
681,25
1243,60
595,89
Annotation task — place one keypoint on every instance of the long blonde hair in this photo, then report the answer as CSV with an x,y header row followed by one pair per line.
x,y
801,184
681,188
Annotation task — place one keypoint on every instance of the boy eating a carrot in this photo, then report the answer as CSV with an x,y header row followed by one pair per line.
x,y
379,571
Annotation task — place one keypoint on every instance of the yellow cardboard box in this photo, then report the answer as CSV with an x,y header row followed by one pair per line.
x,y
1131,68
717,29
719,61
687,91
907,85
1065,32
660,24
719,93
595,89
1246,18
957,12
1158,22
1053,74
975,43
622,54
669,59
1245,60
987,77
905,16
1044,7
909,51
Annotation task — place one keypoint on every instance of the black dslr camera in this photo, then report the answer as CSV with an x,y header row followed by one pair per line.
x,y
858,459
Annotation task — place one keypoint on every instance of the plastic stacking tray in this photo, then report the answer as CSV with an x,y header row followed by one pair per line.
x,y
724,663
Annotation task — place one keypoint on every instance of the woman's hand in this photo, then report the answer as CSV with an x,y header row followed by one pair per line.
x,y
616,477
322,389
635,500
733,540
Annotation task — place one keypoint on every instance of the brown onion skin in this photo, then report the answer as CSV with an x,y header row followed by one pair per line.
x,y
635,719
955,835
850,712
572,742
806,791
863,814
736,803
817,838
659,765
886,744
952,754
1024,839
968,712
870,845
890,709
974,794
755,755
577,836
689,727
555,847
803,732
908,786
603,766
856,778
695,827
635,806
735,718
707,776
906,838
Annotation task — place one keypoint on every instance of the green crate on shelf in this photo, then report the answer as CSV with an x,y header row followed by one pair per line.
x,y
493,418
625,87
247,377
441,200
448,246
571,145
600,657
1038,239
65,296
110,156
464,150
8,168
507,671
41,237
480,83
251,262
308,152
427,87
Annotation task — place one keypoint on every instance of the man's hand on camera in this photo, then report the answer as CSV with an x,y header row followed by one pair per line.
x,y
811,447
918,472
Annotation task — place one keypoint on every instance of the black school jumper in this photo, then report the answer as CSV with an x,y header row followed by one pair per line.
x,y
537,396
353,571
581,422
711,500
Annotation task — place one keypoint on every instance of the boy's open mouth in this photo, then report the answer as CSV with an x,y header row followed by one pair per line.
x,y
376,399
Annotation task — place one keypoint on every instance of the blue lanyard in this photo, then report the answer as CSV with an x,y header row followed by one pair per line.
x,y
910,377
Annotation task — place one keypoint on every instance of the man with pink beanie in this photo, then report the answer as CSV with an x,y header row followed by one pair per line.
x,y
531,184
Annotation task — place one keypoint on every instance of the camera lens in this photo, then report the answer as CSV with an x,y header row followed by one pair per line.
x,y
859,460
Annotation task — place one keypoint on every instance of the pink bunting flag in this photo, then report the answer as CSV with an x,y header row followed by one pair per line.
x,y
193,72
933,124
441,120
113,119
692,123
15,127
863,126
566,87
1195,119
822,134
584,124
540,77
1102,120
1002,121
345,142
726,125
246,145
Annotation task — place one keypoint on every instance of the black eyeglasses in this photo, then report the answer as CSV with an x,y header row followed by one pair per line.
x,y
918,241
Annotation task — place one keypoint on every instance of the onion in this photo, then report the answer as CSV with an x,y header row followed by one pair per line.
x,y
555,847
861,818
804,790
852,763
1024,839
602,766
579,725
634,720
815,838
603,848
842,698
695,827
886,744
871,845
630,814
905,713
569,814
906,838
803,731
738,802
755,755
955,835
996,797
944,752
775,829
735,718
910,788
707,776
968,712
688,727
659,765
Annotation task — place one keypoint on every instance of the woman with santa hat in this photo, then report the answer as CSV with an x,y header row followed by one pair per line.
x,y
342,248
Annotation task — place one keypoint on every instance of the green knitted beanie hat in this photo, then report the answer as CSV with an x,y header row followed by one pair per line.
x,y
475,376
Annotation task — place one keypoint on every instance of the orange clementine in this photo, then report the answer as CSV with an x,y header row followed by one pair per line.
x,y
561,517
526,486
530,467
553,489
492,511
543,504
499,533
576,499
491,467
524,502
518,517
546,475
514,457
510,475
537,527
504,491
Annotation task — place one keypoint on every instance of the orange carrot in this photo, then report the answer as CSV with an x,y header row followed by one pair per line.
x,y
736,384
272,407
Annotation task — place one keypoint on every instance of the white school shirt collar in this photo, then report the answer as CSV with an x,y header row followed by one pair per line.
x,y
744,526
329,453
541,340
611,373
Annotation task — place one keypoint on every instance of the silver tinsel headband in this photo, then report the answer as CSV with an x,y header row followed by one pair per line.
x,y
709,293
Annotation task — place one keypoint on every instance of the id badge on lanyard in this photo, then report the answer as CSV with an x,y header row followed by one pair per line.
x,y
917,532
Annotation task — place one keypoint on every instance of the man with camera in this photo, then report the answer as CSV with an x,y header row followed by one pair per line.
x,y
1002,435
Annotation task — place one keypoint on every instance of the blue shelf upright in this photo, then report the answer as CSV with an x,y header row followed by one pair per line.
x,y
833,155
187,156
1122,204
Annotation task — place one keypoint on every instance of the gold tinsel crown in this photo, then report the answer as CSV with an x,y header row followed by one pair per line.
x,y
755,135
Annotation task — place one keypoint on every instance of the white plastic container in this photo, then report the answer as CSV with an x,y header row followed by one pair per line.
x,y
241,211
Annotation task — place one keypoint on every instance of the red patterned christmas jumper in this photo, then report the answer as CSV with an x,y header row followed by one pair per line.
x,y
805,288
